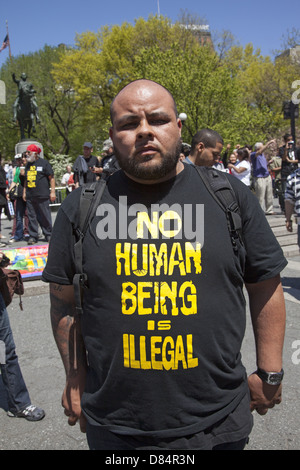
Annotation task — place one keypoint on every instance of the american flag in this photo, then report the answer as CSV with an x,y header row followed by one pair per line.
x,y
5,43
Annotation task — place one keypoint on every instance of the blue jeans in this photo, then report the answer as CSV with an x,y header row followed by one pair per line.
x,y
20,212
17,393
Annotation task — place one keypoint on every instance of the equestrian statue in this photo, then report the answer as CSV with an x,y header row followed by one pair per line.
x,y
25,108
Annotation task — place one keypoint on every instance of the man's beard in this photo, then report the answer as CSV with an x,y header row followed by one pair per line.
x,y
137,169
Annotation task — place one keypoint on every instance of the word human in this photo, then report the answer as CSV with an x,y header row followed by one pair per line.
x,y
134,222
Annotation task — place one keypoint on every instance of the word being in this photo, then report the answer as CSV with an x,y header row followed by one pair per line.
x,y
133,222
163,298
158,353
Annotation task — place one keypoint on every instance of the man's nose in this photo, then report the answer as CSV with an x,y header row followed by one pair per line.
x,y
145,129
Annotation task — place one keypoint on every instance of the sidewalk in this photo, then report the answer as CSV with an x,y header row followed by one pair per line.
x,y
44,375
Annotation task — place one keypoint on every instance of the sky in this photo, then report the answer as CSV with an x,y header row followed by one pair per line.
x,y
34,23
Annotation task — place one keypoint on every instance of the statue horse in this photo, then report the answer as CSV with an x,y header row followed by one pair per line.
x,y
25,115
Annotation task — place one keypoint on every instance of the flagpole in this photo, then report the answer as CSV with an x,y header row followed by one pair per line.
x,y
158,9
8,40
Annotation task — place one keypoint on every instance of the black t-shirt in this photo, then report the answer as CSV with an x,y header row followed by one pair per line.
x,y
287,167
164,314
110,164
37,178
85,177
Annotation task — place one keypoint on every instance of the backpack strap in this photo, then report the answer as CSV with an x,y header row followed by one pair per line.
x,y
221,190
90,197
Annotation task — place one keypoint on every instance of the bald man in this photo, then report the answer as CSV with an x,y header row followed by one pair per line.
x,y
154,360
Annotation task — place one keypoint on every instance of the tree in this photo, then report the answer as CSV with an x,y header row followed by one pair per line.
x,y
58,111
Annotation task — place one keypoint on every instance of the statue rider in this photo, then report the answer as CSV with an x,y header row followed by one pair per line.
x,y
25,88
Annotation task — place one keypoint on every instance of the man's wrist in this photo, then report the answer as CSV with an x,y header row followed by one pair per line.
x,y
271,378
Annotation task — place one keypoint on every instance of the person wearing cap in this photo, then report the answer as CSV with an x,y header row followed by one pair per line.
x,y
38,175
86,167
109,162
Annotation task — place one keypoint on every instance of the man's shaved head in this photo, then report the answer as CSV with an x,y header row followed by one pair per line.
x,y
134,84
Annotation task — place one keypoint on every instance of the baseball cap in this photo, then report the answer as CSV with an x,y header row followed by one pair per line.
x,y
107,144
88,144
33,148
19,155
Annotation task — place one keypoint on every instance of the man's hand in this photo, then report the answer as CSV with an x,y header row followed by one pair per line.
x,y
71,399
263,395
289,225
52,195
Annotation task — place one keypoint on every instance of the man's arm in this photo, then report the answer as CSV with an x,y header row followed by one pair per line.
x,y
67,333
52,188
264,147
289,211
267,309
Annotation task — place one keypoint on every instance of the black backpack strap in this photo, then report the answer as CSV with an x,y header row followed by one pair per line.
x,y
91,195
221,190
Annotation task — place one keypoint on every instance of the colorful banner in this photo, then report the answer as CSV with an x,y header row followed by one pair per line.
x,y
29,260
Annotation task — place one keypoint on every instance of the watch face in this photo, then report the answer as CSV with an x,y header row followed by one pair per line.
x,y
271,378
275,379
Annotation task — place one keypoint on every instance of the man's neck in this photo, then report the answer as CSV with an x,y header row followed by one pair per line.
x,y
192,158
178,169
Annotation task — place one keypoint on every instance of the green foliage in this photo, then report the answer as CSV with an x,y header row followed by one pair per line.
x,y
239,92
59,164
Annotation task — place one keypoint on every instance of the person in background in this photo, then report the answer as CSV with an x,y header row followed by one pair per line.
x,y
66,180
86,167
18,230
206,148
37,194
3,201
109,162
292,201
18,399
261,176
241,169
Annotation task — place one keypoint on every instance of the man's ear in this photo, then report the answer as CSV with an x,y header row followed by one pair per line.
x,y
200,147
179,124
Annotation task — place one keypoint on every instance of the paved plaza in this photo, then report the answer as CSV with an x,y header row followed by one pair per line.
x,y
44,375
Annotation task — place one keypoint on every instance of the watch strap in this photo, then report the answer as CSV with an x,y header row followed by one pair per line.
x,y
271,378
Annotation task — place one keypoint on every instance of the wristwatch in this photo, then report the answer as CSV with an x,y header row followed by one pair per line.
x,y
271,378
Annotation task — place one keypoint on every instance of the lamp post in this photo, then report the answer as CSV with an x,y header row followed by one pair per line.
x,y
182,117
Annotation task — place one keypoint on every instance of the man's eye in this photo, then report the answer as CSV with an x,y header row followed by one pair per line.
x,y
158,122
129,125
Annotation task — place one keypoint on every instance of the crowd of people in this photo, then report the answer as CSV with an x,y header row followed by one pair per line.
x,y
269,170
263,168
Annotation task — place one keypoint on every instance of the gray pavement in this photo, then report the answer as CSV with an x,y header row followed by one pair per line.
x,y
44,375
